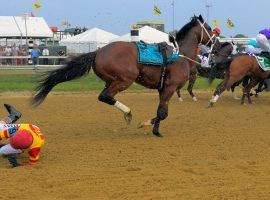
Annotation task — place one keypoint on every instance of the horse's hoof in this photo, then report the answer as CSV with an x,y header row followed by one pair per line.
x,y
180,99
140,125
156,133
210,105
128,117
194,98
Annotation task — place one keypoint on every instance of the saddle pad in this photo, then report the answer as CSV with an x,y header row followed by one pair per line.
x,y
149,55
263,62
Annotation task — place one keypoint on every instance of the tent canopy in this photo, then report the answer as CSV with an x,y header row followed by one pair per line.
x,y
93,35
88,41
16,27
147,34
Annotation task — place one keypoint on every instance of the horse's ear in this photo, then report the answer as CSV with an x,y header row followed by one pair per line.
x,y
171,38
201,18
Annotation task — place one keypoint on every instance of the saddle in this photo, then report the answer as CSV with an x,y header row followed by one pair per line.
x,y
159,54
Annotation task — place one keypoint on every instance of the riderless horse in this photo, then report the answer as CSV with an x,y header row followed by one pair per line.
x,y
117,65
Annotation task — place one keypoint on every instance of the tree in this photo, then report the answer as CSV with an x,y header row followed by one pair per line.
x,y
240,36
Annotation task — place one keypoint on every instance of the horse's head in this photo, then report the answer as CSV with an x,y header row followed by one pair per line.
x,y
198,27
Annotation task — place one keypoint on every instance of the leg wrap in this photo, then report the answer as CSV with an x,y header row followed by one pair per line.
x,y
162,112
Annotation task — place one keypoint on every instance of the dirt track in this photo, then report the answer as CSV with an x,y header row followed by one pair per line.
x,y
219,153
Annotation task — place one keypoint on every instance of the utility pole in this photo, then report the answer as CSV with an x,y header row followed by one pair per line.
x,y
208,6
173,15
25,17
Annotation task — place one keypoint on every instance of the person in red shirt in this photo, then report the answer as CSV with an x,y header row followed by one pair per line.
x,y
22,138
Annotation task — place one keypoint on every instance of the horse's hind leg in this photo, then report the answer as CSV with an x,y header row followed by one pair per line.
x,y
108,93
246,90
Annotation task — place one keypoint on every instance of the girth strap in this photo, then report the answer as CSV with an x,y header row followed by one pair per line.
x,y
162,47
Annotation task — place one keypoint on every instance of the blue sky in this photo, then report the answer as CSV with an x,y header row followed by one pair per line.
x,y
117,16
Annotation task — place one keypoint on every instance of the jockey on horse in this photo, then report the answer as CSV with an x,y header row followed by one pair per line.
x,y
205,51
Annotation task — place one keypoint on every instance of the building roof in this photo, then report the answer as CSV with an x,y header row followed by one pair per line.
x,y
150,22
18,27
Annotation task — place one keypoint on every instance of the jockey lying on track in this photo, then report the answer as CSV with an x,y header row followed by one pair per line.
x,y
22,138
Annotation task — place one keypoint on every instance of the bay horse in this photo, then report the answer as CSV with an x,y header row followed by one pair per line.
x,y
117,65
220,54
241,65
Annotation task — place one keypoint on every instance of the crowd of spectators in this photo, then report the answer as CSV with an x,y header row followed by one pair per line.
x,y
8,52
13,51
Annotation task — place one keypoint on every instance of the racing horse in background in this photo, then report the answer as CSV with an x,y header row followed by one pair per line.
x,y
241,65
219,57
117,65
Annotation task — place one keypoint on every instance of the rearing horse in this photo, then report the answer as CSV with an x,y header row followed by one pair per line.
x,y
117,65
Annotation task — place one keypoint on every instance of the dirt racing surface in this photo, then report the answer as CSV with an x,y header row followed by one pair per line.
x,y
90,153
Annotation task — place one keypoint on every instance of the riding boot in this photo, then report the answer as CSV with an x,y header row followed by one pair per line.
x,y
14,115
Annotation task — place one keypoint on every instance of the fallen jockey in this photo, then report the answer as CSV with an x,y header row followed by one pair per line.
x,y
22,138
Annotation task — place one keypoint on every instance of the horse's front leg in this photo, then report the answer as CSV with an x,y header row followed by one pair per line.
x,y
192,80
220,88
162,111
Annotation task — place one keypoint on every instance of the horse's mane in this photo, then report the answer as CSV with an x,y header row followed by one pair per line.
x,y
185,29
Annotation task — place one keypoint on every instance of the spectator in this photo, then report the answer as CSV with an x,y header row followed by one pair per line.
x,y
35,53
8,53
1,54
14,52
45,52
20,53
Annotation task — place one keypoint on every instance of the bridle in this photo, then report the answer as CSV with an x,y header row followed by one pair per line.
x,y
211,39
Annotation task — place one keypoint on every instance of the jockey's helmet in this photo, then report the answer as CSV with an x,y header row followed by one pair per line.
x,y
21,140
217,30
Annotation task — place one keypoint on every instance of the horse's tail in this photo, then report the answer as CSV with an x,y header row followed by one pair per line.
x,y
73,69
218,70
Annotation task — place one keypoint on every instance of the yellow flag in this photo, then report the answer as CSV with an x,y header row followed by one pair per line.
x,y
216,23
63,23
157,11
230,24
37,5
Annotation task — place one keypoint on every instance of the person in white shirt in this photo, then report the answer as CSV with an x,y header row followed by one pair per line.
x,y
45,52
